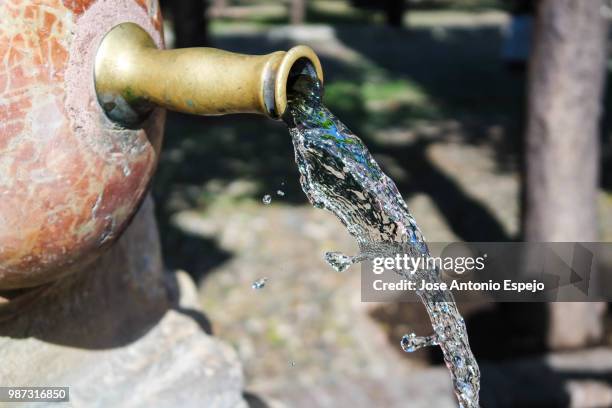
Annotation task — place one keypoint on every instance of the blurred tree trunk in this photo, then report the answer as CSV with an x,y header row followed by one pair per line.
x,y
190,23
394,11
566,78
220,4
217,8
297,12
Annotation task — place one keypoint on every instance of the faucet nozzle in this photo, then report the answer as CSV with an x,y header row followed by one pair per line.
x,y
132,76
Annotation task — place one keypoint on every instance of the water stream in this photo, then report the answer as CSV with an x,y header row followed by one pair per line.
x,y
339,174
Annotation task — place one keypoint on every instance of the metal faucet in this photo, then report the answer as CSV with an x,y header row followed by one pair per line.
x,y
132,76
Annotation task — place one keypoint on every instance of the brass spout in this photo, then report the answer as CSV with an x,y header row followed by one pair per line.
x,y
132,76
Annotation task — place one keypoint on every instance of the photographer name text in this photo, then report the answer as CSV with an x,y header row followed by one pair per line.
x,y
507,285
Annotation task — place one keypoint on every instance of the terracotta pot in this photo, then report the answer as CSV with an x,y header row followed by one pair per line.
x,y
70,179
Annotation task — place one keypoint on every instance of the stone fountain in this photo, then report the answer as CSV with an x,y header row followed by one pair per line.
x,y
85,300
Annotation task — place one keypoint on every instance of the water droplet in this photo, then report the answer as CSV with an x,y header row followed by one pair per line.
x,y
280,193
338,261
267,199
259,283
411,342
407,342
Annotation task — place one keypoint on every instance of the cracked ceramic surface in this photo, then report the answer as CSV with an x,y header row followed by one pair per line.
x,y
70,180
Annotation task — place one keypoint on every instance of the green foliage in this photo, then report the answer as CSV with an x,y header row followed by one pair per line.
x,y
372,105
344,96
399,89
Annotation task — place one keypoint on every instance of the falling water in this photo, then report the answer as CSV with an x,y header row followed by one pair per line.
x,y
259,283
339,174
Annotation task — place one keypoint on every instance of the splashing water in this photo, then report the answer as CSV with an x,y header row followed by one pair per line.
x,y
339,174
280,193
339,261
259,283
267,199
411,342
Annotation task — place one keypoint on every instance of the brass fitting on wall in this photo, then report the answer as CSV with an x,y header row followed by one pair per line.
x,y
132,76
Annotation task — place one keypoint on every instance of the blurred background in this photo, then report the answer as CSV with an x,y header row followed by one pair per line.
x,y
494,119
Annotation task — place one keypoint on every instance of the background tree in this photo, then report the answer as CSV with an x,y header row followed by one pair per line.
x,y
297,11
190,22
566,78
394,11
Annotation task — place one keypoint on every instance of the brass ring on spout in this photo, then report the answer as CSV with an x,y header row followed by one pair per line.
x,y
293,55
